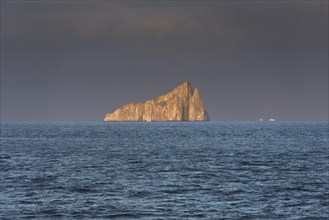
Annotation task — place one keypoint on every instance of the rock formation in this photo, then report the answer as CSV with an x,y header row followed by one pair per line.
x,y
181,104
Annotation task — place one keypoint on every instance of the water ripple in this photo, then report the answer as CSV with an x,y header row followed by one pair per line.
x,y
164,170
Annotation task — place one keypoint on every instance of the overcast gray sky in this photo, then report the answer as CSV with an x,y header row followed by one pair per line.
x,y
77,60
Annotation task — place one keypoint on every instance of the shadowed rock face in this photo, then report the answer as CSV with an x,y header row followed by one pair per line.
x,y
181,104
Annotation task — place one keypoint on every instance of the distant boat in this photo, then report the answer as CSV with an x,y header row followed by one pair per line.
x,y
271,119
261,119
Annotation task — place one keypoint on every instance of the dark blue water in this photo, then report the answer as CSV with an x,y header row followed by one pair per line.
x,y
206,170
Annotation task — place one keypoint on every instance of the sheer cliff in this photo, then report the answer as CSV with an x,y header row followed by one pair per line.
x,y
181,104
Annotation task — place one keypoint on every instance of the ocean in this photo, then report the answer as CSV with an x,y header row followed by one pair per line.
x,y
199,170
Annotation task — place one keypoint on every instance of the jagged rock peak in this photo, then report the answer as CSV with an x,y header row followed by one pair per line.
x,y
180,104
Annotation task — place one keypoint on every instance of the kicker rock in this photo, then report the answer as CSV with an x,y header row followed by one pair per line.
x,y
181,104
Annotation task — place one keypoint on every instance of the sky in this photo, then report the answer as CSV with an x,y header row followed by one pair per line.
x,y
77,60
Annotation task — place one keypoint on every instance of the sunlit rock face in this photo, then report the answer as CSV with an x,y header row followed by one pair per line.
x,y
181,104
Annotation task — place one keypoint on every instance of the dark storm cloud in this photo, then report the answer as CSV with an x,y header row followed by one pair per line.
x,y
76,60
95,24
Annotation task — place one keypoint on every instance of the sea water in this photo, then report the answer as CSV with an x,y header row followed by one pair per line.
x,y
206,170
